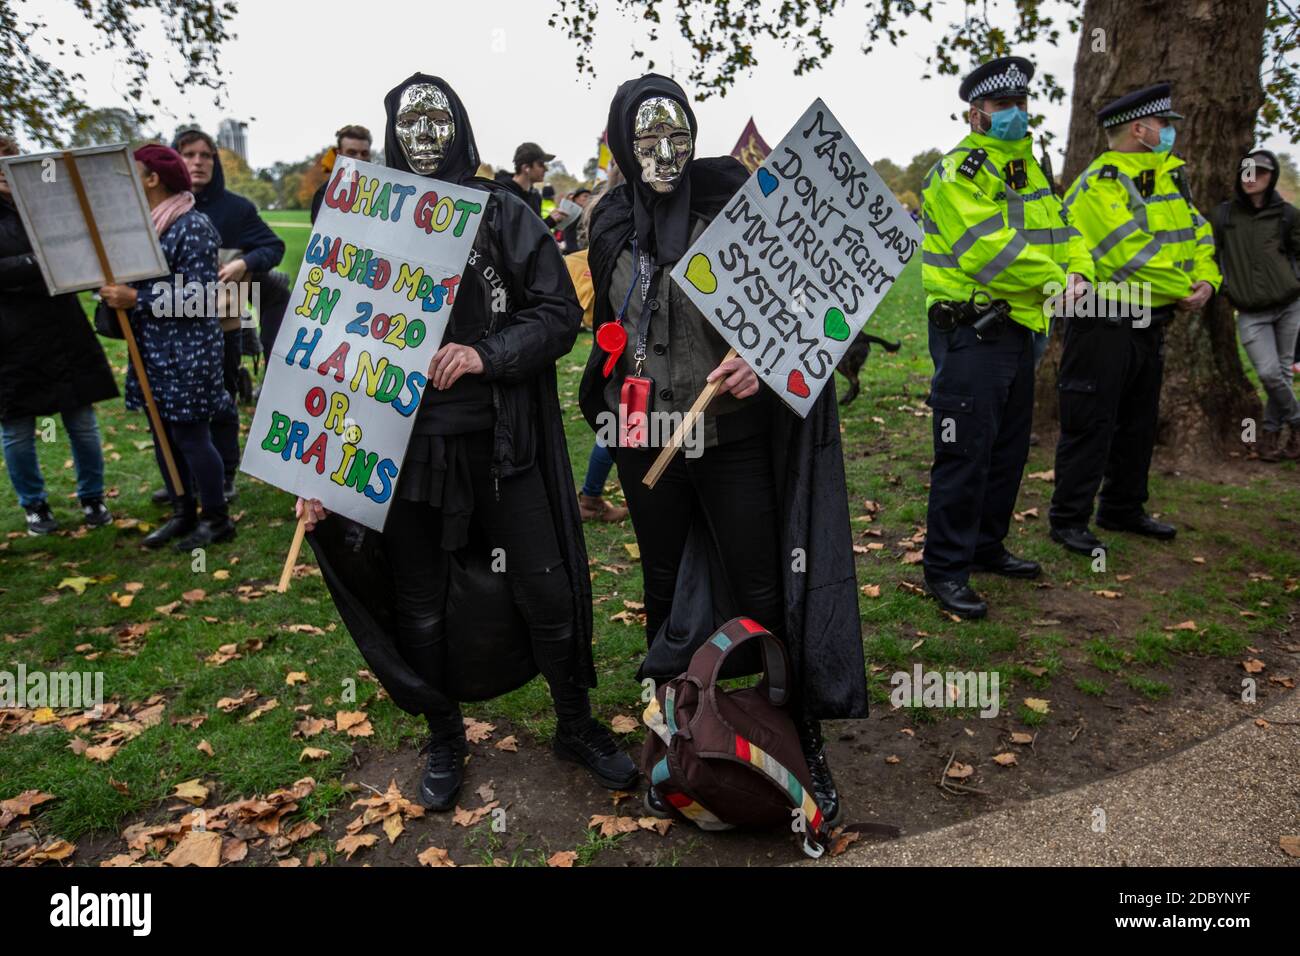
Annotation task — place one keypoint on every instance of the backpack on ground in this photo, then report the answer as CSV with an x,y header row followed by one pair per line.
x,y
728,758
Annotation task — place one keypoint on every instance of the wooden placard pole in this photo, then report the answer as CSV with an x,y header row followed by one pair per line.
x,y
132,348
694,412
294,548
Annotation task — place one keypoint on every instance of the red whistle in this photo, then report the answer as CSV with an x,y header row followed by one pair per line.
x,y
611,337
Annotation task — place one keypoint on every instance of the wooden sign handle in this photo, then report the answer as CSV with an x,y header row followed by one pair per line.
x,y
694,412
132,347
292,558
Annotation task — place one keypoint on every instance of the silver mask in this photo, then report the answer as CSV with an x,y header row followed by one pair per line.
x,y
662,142
425,127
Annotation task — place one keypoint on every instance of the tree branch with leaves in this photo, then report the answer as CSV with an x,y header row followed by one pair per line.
x,y
42,88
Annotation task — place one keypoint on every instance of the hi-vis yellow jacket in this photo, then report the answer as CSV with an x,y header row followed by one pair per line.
x,y
980,232
1140,229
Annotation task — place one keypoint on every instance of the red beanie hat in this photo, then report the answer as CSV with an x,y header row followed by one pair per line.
x,y
167,163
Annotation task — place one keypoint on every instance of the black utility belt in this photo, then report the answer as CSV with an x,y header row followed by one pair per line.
x,y
988,316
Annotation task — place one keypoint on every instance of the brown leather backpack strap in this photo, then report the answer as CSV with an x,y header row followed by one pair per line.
x,y
707,661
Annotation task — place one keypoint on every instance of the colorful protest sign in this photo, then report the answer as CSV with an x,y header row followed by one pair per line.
x,y
367,313
45,194
792,268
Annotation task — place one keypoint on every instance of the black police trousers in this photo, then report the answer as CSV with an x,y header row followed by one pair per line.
x,y
982,395
1109,385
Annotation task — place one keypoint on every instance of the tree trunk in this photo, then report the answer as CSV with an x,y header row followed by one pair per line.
x,y
1211,51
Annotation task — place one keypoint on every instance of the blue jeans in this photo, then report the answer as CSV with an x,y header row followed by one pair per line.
x,y
598,466
25,470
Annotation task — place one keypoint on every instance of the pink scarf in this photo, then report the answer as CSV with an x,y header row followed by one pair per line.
x,y
171,209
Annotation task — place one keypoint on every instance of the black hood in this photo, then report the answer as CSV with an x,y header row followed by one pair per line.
x,y
461,162
663,221
1271,198
216,187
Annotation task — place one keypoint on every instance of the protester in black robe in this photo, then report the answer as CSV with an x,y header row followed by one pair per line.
x,y
758,523
487,468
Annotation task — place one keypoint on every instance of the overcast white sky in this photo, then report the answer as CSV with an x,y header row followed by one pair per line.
x,y
299,70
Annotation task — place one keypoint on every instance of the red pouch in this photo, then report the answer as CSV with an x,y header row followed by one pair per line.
x,y
634,412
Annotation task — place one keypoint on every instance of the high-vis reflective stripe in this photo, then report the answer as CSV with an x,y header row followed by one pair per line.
x,y
1046,237
1205,241
1175,235
1002,260
940,259
975,233
1116,236
1144,256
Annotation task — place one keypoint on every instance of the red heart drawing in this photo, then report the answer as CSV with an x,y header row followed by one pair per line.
x,y
795,384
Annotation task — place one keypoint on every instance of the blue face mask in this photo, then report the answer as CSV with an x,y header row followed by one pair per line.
x,y
1011,123
1167,136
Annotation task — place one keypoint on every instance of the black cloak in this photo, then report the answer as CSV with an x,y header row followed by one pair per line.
x,y
489,652
823,633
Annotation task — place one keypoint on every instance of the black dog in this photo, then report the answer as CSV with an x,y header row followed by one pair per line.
x,y
856,357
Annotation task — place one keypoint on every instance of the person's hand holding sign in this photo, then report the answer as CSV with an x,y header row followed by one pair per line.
x,y
315,512
118,296
451,362
741,380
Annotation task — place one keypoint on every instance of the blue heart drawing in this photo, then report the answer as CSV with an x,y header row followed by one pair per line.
x,y
766,182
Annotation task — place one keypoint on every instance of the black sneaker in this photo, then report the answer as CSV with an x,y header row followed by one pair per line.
x,y
444,771
96,512
228,488
161,496
207,531
40,521
591,744
183,521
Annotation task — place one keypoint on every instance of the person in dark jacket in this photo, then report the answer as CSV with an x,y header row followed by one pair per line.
x,y
352,142
757,524
1257,236
50,362
530,169
487,458
182,352
259,251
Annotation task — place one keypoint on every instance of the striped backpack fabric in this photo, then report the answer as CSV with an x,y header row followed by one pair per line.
x,y
730,758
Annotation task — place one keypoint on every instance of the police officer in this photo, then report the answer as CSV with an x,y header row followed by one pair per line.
x,y
1154,256
996,249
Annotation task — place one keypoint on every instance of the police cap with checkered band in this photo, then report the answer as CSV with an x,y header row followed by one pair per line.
x,y
1005,76
1154,100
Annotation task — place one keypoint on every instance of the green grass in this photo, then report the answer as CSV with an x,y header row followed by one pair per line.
x,y
887,455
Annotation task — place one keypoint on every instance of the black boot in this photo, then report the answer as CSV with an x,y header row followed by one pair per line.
x,y
444,770
823,784
214,527
590,743
183,520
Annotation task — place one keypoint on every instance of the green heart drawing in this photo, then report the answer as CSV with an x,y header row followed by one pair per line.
x,y
700,274
837,327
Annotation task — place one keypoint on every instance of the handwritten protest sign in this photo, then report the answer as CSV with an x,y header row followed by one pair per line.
x,y
44,193
792,268
367,313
